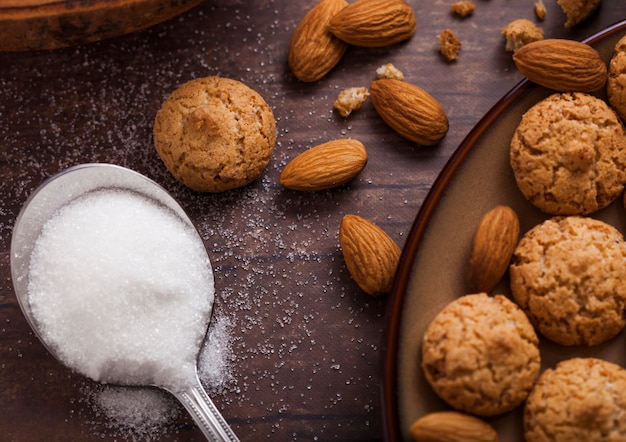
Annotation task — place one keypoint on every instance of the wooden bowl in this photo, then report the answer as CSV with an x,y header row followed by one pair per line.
x,y
50,24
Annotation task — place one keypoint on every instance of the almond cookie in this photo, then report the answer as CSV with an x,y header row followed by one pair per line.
x,y
568,154
480,354
569,275
215,134
582,399
616,84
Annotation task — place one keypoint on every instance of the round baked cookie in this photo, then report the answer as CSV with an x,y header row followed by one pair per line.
x,y
569,275
616,84
582,399
480,354
568,154
215,134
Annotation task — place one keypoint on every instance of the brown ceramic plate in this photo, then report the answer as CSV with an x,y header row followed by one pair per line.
x,y
51,24
431,272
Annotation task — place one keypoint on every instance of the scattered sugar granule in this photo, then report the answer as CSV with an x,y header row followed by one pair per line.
x,y
540,10
463,8
351,99
217,358
389,71
519,33
449,45
135,412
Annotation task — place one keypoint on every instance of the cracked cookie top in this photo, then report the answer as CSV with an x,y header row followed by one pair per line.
x,y
569,275
215,134
581,399
480,354
568,154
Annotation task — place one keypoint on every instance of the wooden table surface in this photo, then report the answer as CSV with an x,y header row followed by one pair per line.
x,y
302,344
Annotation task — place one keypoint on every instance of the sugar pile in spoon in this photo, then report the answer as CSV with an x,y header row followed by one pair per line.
x,y
122,289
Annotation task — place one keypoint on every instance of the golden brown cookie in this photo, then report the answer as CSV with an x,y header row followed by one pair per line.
x,y
616,84
569,275
582,399
568,154
215,134
480,354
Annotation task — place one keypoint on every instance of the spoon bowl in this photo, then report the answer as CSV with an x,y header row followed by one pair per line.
x,y
55,194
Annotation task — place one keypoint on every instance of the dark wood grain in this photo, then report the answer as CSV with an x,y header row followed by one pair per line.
x,y
306,342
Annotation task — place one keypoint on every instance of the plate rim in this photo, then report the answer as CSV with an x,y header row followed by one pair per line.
x,y
395,302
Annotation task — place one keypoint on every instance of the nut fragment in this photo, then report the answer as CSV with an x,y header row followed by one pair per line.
x,y
409,110
449,45
313,51
325,166
577,11
493,245
562,65
452,426
389,71
350,99
463,8
540,10
374,23
370,254
520,32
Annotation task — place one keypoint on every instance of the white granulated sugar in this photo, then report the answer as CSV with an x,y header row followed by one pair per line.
x,y
135,413
217,358
122,289
146,414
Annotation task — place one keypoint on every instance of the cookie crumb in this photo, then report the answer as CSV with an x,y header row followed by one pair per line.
x,y
463,8
519,33
577,11
449,45
389,71
540,10
351,99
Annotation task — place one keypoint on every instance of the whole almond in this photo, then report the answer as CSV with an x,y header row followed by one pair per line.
x,y
325,166
371,256
374,23
313,50
562,65
452,426
409,110
493,245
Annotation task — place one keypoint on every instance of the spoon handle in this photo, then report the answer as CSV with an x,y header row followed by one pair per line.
x,y
206,415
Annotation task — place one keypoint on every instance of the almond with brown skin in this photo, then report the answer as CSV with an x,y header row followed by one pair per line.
x,y
452,426
313,50
409,110
374,23
562,65
493,245
325,166
371,256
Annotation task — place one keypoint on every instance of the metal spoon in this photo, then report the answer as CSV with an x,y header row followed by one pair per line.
x,y
56,193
